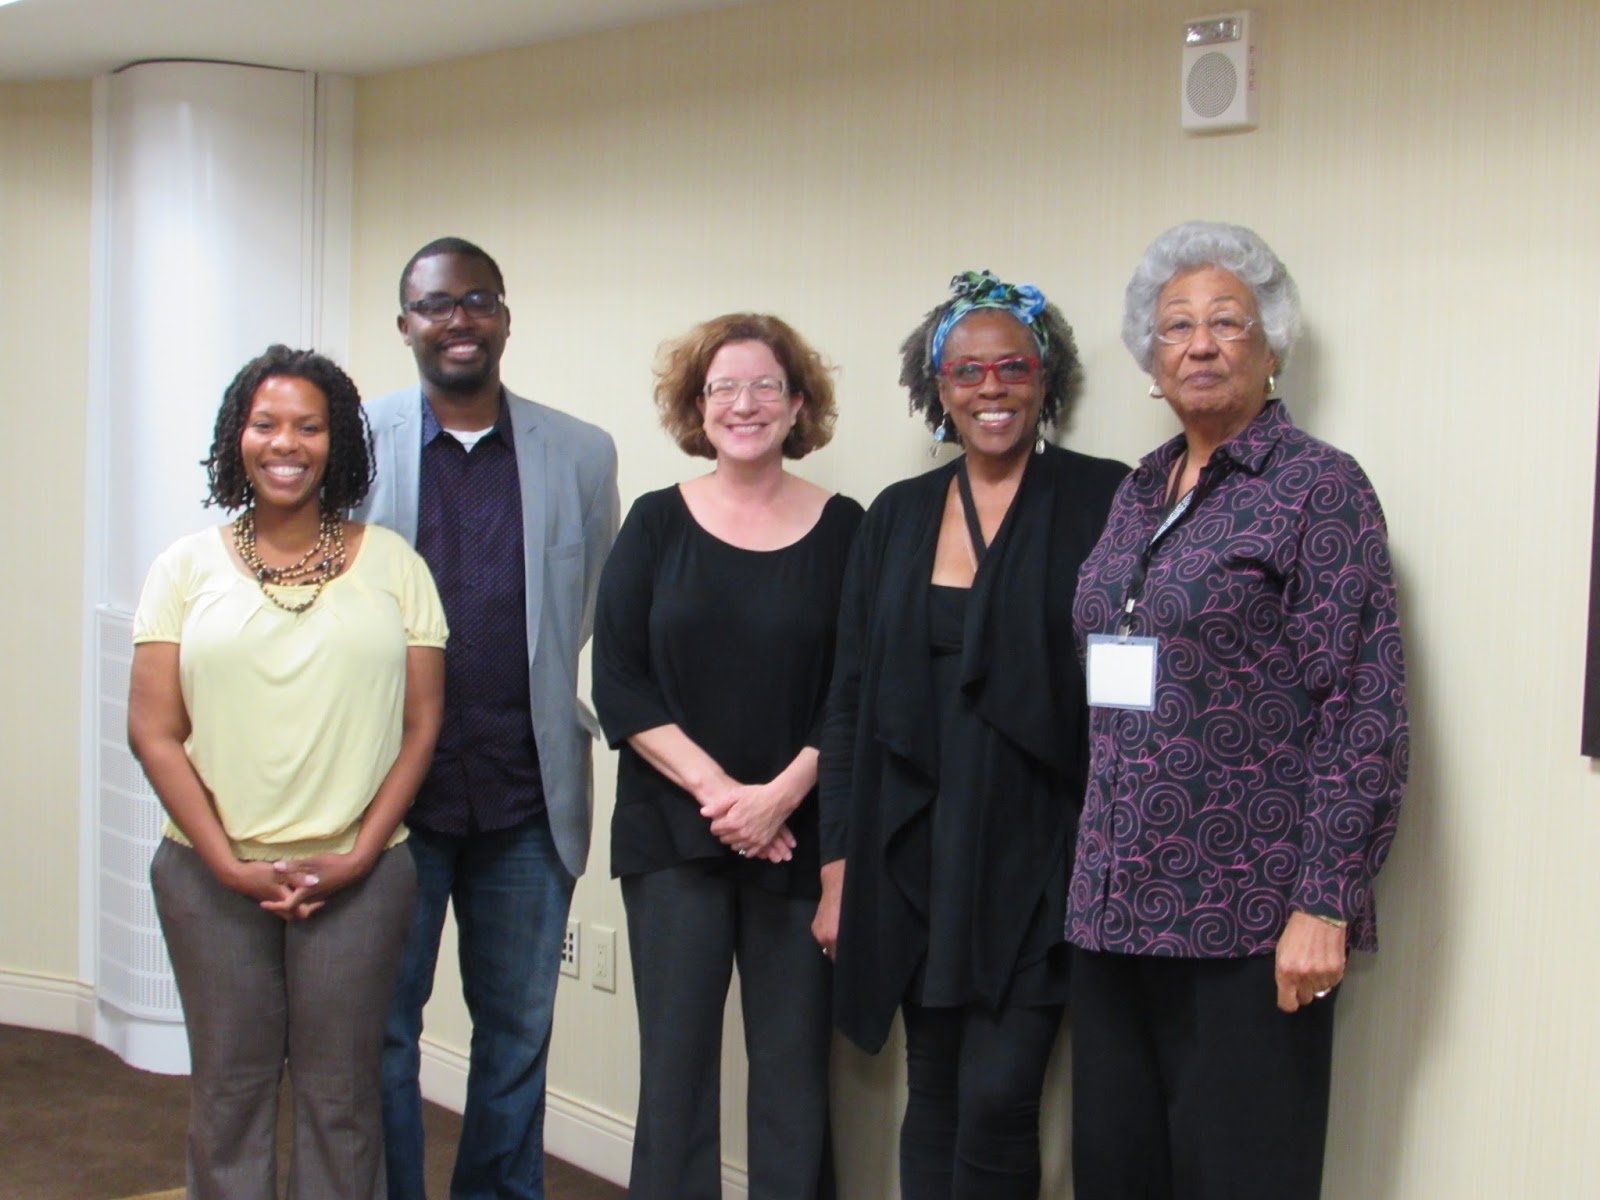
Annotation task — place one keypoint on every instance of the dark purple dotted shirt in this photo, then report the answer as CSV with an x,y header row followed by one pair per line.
x,y
1267,778
485,773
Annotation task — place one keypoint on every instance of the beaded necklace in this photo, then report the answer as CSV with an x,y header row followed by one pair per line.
x,y
315,567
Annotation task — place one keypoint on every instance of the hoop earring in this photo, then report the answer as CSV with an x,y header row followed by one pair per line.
x,y
1272,385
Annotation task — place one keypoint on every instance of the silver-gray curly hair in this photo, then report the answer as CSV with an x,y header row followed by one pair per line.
x,y
1195,245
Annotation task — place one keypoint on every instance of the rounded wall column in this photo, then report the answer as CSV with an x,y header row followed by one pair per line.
x,y
222,225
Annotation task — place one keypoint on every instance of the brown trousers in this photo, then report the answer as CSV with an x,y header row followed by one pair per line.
x,y
260,994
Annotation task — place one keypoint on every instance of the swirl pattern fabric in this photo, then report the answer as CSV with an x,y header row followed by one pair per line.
x,y
1267,778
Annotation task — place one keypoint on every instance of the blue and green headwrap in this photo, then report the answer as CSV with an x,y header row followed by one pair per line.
x,y
981,289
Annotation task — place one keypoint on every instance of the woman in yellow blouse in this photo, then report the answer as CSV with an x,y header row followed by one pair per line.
x,y
286,694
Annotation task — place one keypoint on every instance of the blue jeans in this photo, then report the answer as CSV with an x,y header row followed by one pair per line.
x,y
511,896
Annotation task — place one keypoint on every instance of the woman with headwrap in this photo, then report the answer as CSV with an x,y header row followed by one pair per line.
x,y
954,752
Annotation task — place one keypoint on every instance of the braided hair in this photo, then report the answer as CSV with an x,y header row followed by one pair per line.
x,y
350,469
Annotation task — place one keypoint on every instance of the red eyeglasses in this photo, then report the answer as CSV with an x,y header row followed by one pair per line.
x,y
969,373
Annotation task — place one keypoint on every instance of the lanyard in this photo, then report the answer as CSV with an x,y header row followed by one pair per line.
x,y
1176,515
970,508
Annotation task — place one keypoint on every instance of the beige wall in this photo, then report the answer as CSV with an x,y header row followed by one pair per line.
x,y
44,346
1428,171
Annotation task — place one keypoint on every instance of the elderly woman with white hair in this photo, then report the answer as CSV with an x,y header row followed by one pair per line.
x,y
1248,749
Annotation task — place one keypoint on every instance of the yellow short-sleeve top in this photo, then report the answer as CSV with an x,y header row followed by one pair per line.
x,y
295,717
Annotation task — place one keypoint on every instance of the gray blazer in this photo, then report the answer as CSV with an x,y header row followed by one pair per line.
x,y
568,474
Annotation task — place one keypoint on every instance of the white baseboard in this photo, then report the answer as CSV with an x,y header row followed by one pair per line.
x,y
59,1005
46,1002
574,1131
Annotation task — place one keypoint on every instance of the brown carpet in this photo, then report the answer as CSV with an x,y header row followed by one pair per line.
x,y
77,1123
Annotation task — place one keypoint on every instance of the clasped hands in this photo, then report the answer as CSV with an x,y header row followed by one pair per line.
x,y
295,889
750,819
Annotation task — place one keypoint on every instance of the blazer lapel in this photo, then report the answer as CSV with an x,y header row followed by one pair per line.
x,y
532,478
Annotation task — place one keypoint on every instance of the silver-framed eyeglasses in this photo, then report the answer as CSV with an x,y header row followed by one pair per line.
x,y
1224,326
441,306
767,389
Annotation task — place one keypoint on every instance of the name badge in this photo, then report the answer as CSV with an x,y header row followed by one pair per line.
x,y
1122,672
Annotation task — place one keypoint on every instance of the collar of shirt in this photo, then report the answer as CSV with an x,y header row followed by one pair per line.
x,y
502,423
1250,450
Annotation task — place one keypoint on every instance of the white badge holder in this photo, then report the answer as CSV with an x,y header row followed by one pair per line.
x,y
1121,671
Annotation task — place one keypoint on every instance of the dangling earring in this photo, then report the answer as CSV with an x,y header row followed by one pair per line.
x,y
1038,441
1155,392
1272,385
940,436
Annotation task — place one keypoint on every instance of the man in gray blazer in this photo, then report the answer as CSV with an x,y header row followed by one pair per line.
x,y
514,506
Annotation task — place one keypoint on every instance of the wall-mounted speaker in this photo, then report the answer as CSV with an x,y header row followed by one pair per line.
x,y
1219,73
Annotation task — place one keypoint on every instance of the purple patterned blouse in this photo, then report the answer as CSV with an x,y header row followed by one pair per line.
x,y
1267,778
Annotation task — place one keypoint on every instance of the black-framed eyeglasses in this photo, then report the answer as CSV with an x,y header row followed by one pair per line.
x,y
768,389
1225,327
439,306
969,373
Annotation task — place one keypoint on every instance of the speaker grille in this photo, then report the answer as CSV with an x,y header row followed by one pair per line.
x,y
1212,84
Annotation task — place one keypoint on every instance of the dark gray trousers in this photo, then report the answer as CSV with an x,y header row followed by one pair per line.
x,y
260,993
686,928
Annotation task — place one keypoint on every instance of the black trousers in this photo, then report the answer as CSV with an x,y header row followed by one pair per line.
x,y
974,1078
1188,1083
686,928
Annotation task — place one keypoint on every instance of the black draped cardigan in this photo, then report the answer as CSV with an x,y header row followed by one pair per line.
x,y
880,751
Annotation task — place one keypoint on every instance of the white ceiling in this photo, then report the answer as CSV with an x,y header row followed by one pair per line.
x,y
74,39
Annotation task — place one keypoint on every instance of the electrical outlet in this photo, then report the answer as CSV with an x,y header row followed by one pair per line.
x,y
569,949
603,962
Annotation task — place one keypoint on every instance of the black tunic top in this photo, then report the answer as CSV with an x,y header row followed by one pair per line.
x,y
733,646
1022,757
960,866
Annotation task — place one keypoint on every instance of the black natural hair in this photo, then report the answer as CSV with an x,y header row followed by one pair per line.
x,y
1062,369
451,245
350,470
